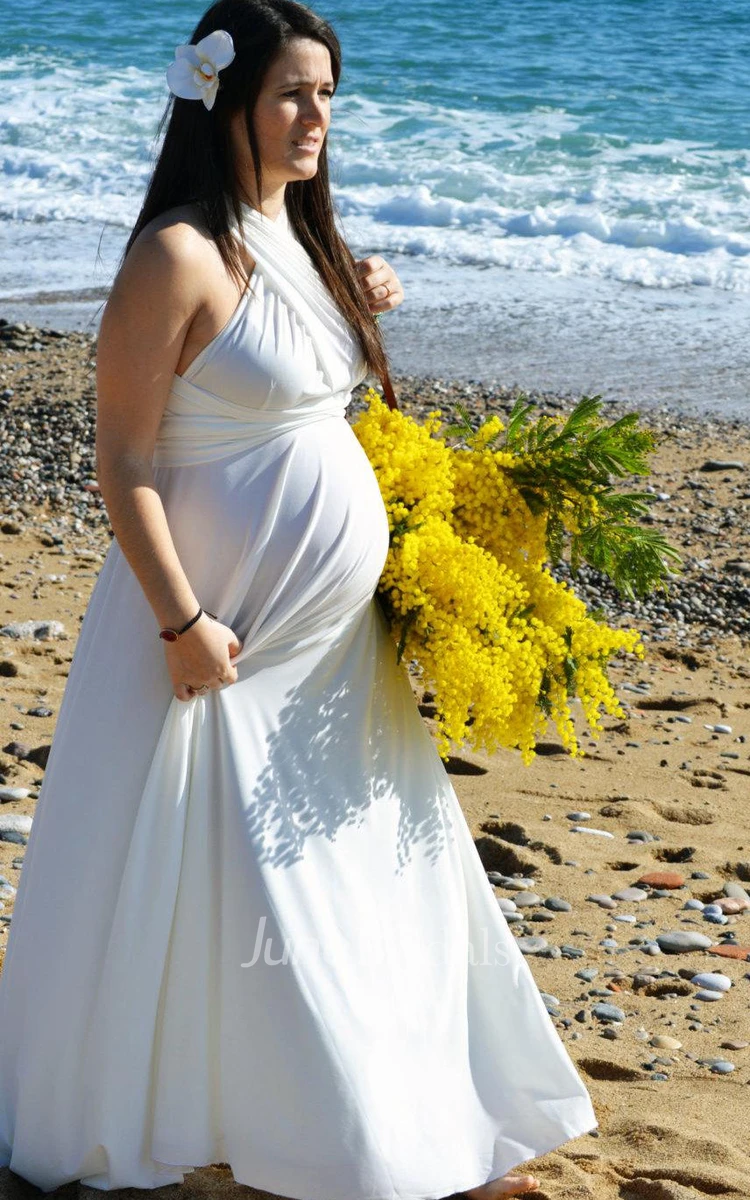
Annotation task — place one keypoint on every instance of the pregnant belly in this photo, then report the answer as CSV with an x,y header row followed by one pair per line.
x,y
283,542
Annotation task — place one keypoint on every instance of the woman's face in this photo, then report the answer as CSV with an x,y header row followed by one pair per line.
x,y
294,105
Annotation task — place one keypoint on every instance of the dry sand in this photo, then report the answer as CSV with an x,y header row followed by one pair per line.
x,y
672,1139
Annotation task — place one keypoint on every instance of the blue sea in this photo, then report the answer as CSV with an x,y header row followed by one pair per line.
x,y
563,185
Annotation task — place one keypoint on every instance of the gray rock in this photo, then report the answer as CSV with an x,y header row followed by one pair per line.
x,y
41,630
572,951
557,905
630,893
588,974
15,822
714,980
735,890
13,793
531,945
608,1012
677,941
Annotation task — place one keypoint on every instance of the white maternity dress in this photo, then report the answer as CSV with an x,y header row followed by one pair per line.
x,y
253,927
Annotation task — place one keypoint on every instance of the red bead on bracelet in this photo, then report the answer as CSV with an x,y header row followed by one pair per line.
x,y
171,635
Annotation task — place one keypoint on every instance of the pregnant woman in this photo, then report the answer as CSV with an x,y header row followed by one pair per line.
x,y
252,926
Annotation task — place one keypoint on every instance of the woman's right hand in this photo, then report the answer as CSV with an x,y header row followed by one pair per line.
x,y
202,656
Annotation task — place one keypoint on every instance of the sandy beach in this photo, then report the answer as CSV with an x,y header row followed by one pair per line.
x,y
660,803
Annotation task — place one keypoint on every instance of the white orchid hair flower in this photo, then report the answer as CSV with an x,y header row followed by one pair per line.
x,y
194,74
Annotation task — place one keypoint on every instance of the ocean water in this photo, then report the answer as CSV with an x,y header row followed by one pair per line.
x,y
585,153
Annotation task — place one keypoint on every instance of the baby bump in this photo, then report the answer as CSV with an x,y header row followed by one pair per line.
x,y
284,539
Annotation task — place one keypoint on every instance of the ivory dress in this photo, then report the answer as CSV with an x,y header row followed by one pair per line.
x,y
253,927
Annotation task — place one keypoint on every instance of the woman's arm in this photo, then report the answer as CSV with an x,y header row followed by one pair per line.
x,y
150,309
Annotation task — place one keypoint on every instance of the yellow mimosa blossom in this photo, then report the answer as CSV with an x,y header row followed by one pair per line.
x,y
502,645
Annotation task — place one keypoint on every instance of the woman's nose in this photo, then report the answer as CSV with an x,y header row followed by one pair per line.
x,y
315,112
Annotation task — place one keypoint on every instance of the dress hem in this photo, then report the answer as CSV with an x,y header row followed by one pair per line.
x,y
326,1193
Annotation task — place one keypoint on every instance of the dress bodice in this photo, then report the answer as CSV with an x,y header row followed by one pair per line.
x,y
284,358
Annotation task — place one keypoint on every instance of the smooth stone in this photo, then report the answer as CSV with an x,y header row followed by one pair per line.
x,y
588,974
15,823
505,904
513,917
7,889
722,728
735,890
608,1012
11,835
549,1000
693,903
597,832
558,905
640,835
578,816
662,879
707,994
713,980
630,893
662,1041
675,941
627,917
13,793
722,1067
715,918
572,951
731,1044
531,945
602,900
524,899
610,943
731,905
33,629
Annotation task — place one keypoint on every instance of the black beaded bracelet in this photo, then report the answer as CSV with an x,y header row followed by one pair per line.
x,y
171,635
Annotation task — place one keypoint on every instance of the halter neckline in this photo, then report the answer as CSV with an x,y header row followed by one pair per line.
x,y
253,214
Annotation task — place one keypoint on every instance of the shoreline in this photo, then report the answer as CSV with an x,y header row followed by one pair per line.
x,y
680,347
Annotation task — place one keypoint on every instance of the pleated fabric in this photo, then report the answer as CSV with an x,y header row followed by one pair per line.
x,y
254,928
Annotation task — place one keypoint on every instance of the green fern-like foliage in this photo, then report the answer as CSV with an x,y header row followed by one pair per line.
x,y
565,471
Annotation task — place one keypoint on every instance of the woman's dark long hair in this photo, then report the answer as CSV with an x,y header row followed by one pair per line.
x,y
196,163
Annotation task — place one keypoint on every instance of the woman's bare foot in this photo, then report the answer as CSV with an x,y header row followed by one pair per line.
x,y
507,1185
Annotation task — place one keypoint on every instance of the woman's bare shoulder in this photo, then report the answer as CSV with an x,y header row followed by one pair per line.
x,y
176,233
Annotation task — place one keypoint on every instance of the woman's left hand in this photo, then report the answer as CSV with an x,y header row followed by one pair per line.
x,y
381,284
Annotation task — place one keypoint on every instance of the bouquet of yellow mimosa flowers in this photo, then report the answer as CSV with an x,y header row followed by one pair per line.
x,y
477,515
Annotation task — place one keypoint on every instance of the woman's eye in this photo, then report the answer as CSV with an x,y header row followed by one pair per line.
x,y
326,92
